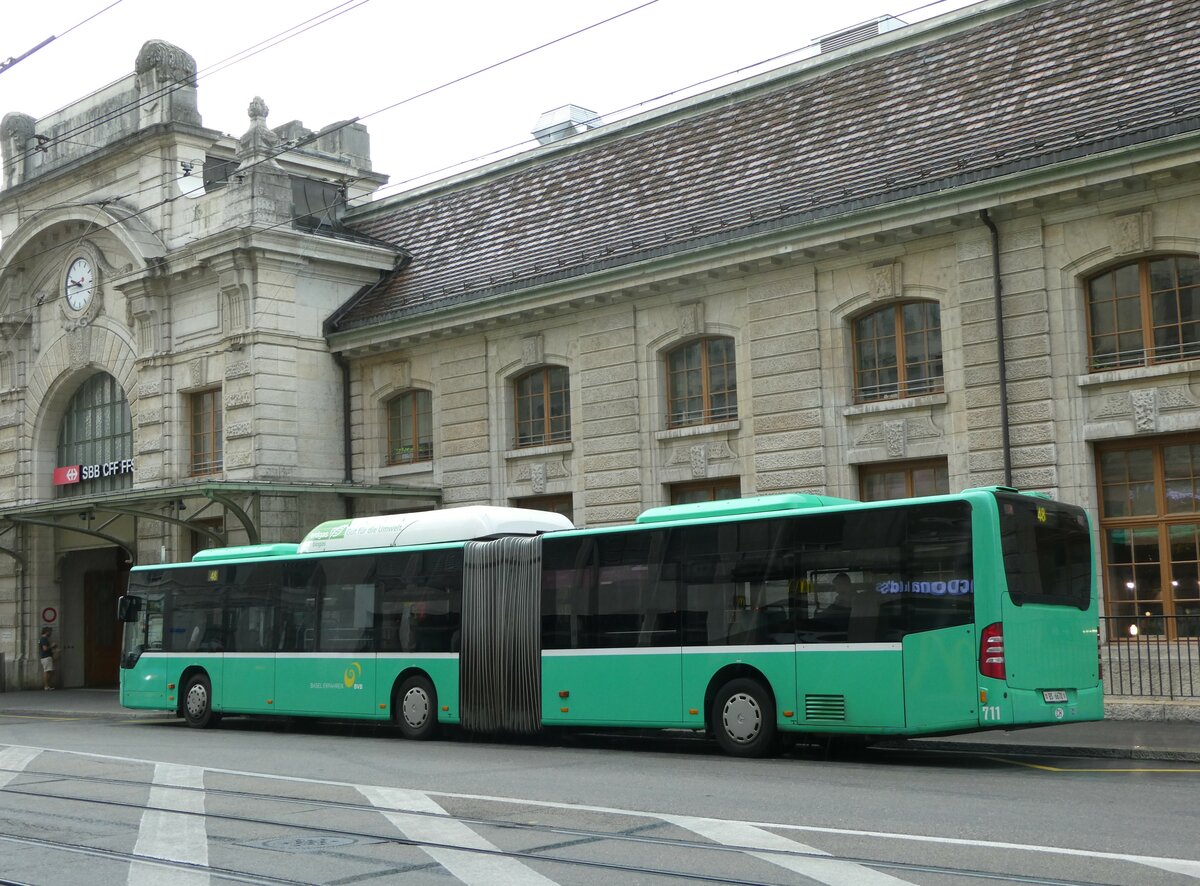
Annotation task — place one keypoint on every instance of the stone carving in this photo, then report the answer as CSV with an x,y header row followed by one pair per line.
x,y
884,281
16,130
1145,410
197,372
533,351
894,438
699,459
537,476
237,369
1110,406
79,345
1131,232
690,318
166,84
238,429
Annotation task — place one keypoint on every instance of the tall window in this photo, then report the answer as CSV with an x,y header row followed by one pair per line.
x,y
705,490
1150,525
543,406
97,429
1145,312
410,428
701,382
903,479
898,352
208,439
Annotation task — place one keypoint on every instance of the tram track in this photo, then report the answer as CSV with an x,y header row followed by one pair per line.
x,y
570,836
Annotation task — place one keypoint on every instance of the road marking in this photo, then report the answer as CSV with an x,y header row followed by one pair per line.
x,y
178,835
1185,866
13,761
434,825
740,834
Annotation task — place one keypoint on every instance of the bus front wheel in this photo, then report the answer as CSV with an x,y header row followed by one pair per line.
x,y
197,703
743,718
415,708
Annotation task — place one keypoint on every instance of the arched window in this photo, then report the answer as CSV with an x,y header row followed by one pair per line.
x,y
543,406
898,352
410,428
97,432
701,382
1144,312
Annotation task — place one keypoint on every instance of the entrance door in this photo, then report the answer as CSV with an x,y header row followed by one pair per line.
x,y
101,632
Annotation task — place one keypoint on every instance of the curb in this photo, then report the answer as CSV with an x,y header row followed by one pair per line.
x,y
1035,750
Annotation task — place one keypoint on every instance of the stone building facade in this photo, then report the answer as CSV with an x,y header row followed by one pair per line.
x,y
164,381
961,253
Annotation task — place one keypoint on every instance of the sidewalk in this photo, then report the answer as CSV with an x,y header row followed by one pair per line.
x,y
1144,737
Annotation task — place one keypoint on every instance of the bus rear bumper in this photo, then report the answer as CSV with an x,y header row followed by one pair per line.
x,y
1032,706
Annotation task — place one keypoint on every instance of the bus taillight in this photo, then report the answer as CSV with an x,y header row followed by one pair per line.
x,y
991,651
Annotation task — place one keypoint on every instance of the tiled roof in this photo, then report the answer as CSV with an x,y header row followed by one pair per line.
x,y
1042,84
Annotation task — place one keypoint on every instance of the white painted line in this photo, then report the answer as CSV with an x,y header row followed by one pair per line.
x,y
1190,867
15,760
829,871
433,824
170,835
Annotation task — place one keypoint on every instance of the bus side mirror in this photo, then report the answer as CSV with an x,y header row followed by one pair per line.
x,y
128,608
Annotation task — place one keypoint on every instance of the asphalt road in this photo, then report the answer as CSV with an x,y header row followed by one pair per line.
x,y
118,801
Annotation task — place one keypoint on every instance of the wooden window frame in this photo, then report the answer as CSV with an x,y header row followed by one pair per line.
x,y
904,386
909,468
523,438
1161,521
206,423
556,504
1148,355
726,484
416,449
678,416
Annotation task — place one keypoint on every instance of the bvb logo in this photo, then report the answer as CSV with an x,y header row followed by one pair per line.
x,y
352,674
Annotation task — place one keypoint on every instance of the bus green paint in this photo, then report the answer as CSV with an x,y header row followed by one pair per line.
x,y
918,681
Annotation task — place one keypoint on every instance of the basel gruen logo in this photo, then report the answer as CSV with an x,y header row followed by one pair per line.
x,y
350,678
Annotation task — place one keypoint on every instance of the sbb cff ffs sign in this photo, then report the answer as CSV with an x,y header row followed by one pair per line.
x,y
78,473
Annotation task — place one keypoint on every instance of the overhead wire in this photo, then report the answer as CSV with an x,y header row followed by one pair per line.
x,y
114,201
9,62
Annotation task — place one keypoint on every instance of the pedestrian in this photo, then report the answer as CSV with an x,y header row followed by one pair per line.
x,y
46,657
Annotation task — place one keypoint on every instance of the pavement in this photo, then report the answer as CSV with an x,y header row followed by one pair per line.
x,y
1141,733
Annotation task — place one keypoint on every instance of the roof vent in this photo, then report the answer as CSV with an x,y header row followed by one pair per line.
x,y
865,31
564,122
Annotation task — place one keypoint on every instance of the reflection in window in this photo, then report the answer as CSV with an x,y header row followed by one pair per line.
x,y
208,439
1145,312
410,428
903,480
701,382
543,406
1150,530
705,490
898,352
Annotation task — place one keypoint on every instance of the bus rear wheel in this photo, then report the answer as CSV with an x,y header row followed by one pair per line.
x,y
197,703
743,718
415,708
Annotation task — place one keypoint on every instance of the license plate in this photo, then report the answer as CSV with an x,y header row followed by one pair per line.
x,y
1053,695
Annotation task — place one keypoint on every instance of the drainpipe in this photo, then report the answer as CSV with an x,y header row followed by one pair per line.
x,y
1005,443
347,456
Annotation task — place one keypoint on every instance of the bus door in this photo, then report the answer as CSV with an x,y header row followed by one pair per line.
x,y
610,632
251,638
329,665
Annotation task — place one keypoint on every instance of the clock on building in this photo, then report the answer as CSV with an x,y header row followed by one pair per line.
x,y
79,284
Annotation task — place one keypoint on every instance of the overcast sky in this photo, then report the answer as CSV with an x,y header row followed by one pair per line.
x,y
379,59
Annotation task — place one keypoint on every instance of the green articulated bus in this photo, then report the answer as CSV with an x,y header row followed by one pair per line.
x,y
744,618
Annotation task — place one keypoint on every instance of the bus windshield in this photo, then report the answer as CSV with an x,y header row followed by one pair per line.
x,y
1047,551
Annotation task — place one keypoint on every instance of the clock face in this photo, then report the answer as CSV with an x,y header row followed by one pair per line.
x,y
79,283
